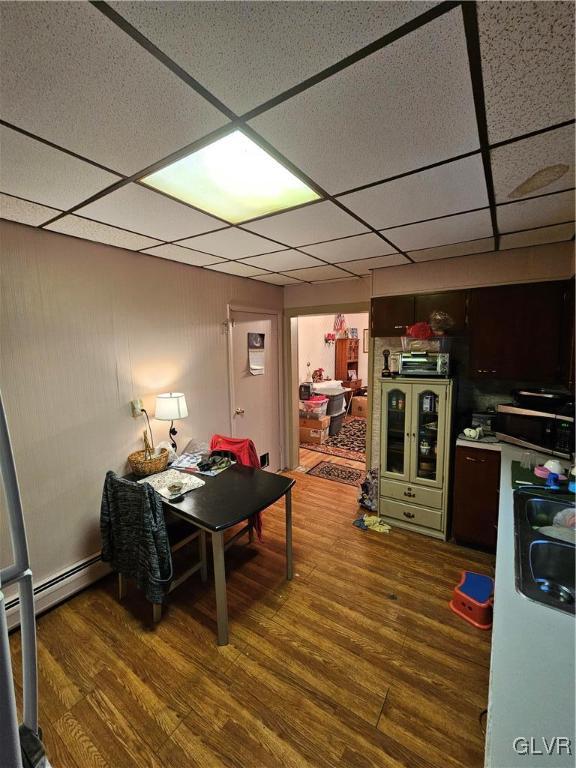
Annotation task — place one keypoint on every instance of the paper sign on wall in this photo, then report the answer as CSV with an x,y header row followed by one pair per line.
x,y
256,353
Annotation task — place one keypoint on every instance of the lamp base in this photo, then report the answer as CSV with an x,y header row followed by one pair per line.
x,y
171,432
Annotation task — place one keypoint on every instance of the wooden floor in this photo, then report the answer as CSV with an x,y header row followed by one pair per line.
x,y
357,662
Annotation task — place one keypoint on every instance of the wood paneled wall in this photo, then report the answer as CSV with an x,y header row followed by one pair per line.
x,y
85,328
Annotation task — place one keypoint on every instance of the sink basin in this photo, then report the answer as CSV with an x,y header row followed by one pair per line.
x,y
552,567
544,565
540,512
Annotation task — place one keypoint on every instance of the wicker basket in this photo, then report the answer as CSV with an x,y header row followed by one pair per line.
x,y
143,466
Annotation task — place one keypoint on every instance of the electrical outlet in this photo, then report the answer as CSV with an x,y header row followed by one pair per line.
x,y
136,407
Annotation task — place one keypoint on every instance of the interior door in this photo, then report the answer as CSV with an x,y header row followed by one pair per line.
x,y
428,434
255,399
395,430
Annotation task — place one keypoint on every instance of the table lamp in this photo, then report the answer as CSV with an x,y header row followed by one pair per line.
x,y
171,406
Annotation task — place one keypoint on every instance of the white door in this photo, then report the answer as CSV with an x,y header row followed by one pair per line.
x,y
255,399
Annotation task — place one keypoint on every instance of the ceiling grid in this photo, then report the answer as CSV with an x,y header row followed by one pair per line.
x,y
380,205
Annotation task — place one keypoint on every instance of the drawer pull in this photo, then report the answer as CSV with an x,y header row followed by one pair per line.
x,y
409,515
409,494
476,461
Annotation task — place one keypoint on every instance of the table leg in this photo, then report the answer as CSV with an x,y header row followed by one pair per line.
x,y
220,587
204,566
288,503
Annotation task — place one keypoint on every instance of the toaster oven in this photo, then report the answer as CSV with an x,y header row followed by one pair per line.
x,y
426,364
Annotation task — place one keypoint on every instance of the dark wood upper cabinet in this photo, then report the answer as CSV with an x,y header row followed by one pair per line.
x,y
476,496
516,332
389,315
451,302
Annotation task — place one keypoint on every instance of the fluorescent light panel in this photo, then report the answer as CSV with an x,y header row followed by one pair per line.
x,y
234,179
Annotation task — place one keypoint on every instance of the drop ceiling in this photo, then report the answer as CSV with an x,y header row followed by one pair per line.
x,y
414,121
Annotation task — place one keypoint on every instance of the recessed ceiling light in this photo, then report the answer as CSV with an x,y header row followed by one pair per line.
x,y
234,179
539,180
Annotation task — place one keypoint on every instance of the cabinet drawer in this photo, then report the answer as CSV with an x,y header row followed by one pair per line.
x,y
429,518
411,494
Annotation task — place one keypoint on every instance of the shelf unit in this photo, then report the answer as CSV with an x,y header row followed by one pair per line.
x,y
347,360
414,453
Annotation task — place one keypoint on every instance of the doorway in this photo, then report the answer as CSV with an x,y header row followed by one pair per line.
x,y
335,348
254,382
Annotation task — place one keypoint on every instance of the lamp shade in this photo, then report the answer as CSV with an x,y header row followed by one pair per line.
x,y
171,406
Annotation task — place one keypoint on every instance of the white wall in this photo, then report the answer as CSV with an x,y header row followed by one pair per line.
x,y
85,328
311,346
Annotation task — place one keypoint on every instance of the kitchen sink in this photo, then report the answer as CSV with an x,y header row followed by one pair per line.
x,y
544,565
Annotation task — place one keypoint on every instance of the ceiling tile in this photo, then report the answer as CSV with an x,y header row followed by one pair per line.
x,y
554,234
277,279
404,107
348,248
236,268
283,260
527,64
536,212
311,224
457,186
317,273
185,255
232,243
269,47
141,210
454,229
363,266
101,233
14,209
484,245
38,172
514,163
72,76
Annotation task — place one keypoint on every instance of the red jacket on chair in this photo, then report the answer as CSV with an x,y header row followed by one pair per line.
x,y
244,451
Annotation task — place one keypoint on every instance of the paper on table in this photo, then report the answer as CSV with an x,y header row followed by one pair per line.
x,y
162,480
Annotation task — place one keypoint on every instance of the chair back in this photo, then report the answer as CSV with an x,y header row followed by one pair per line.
x,y
241,449
134,536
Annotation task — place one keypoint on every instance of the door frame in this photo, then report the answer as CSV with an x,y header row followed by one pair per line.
x,y
290,334
229,325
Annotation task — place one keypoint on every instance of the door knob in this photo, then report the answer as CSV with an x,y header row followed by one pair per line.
x,y
239,411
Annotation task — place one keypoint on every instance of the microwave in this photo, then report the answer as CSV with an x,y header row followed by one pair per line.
x,y
542,431
429,364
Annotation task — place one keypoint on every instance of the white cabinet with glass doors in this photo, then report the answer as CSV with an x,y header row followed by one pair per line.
x,y
414,453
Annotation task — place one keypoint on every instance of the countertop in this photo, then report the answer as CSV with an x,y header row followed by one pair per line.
x,y
532,667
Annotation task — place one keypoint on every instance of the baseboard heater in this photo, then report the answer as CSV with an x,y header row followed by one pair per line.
x,y
59,587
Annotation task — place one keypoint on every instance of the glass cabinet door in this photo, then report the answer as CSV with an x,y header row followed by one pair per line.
x,y
428,434
395,430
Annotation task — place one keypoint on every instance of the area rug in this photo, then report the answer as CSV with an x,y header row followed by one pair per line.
x,y
349,443
337,472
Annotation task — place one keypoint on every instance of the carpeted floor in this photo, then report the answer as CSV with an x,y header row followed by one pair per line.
x,y
337,472
349,443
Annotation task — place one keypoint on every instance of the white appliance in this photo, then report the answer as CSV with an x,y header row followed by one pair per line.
x,y
20,746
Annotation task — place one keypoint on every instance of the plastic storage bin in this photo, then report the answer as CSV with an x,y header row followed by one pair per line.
x,y
336,421
314,408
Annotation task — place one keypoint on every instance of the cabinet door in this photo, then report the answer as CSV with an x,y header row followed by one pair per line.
x,y
451,302
516,332
476,489
395,430
428,428
389,315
